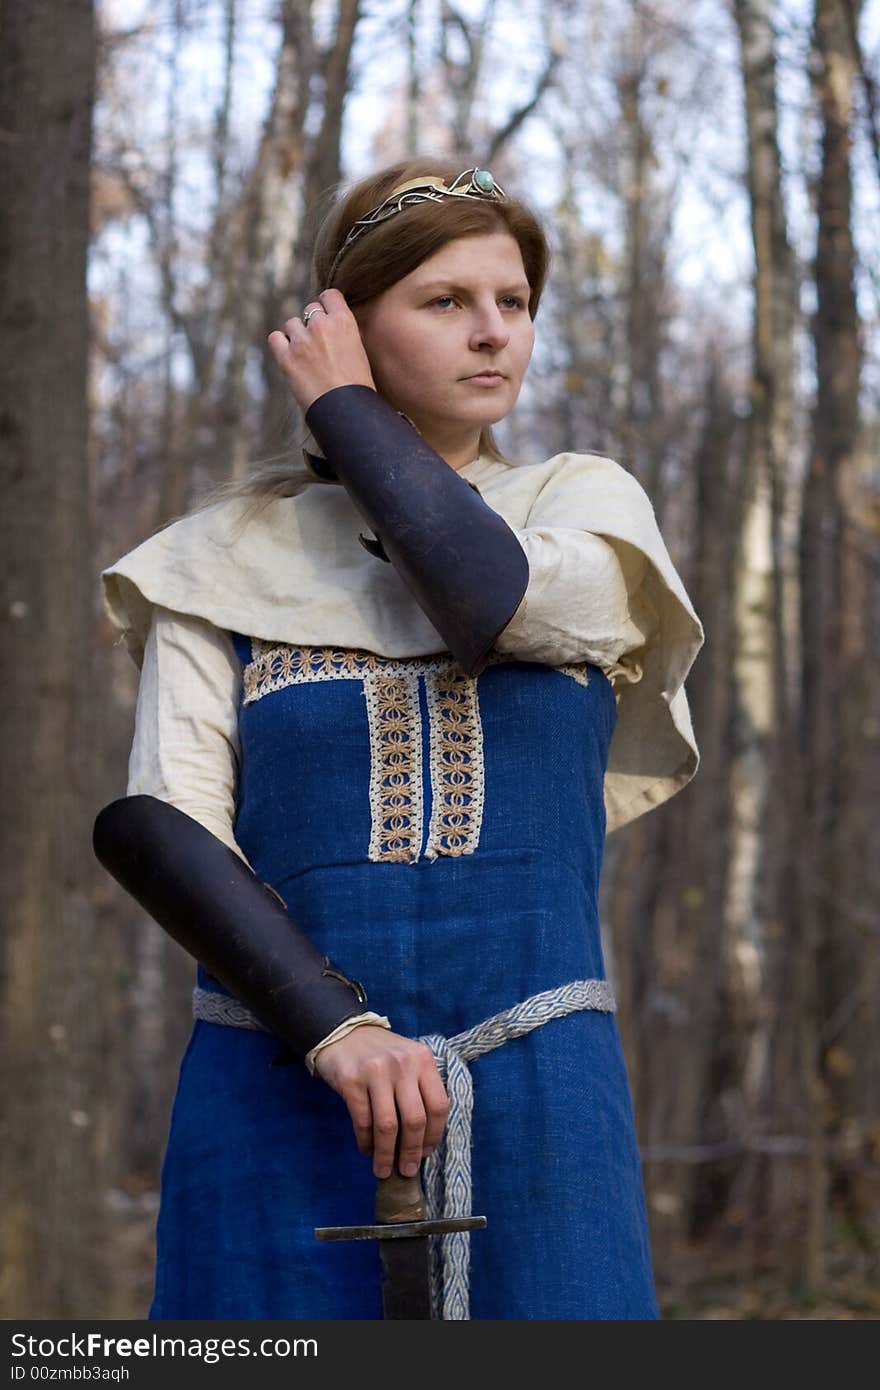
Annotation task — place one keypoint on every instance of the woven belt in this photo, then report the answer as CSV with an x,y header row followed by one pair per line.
x,y
448,1169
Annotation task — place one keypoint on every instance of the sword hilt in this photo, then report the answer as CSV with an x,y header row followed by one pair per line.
x,y
400,1213
400,1198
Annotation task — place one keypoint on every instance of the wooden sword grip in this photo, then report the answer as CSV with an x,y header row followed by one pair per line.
x,y
399,1198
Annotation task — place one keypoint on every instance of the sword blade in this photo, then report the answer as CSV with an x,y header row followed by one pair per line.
x,y
406,1278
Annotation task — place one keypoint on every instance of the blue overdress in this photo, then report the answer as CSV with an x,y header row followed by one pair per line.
x,y
259,1155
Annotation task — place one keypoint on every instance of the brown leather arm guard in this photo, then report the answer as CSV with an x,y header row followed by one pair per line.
x,y
462,562
203,895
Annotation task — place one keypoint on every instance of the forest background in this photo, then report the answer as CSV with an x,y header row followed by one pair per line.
x,y
710,178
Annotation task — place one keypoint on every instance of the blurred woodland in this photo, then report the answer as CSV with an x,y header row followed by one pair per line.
x,y
710,178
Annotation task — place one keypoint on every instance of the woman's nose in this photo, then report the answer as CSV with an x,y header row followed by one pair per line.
x,y
490,327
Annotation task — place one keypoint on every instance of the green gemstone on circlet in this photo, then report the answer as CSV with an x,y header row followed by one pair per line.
x,y
484,180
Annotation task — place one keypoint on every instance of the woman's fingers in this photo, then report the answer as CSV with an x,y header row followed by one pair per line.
x,y
278,342
394,1093
384,1126
421,1109
329,304
411,1112
399,1120
357,1098
326,353
333,301
436,1103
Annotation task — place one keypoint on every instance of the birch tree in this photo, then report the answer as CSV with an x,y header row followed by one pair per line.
x,y
755,657
833,948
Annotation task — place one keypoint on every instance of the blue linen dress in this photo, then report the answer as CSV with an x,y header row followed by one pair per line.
x,y
440,837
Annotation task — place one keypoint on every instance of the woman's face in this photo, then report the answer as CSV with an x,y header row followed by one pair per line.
x,y
463,311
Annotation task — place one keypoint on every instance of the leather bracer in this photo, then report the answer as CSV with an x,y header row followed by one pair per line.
x,y
207,898
461,561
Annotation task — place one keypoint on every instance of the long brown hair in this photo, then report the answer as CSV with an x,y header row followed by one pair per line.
x,y
385,254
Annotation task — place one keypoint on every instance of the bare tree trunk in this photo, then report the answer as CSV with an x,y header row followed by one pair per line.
x,y
463,75
414,77
175,472
835,949
757,659
462,51
290,284
269,221
251,248
51,1045
644,256
202,322
579,416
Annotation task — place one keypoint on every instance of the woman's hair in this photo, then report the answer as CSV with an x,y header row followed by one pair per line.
x,y
385,254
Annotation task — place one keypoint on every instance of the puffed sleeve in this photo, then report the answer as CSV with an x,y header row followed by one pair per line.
x,y
603,588
186,748
582,602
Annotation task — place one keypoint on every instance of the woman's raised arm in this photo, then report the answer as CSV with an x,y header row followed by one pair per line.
x,y
583,602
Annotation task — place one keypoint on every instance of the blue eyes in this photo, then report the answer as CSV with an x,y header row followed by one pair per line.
x,y
510,299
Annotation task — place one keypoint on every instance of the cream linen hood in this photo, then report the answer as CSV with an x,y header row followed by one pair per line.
x,y
297,573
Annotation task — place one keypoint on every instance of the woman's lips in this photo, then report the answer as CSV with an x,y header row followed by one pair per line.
x,y
483,379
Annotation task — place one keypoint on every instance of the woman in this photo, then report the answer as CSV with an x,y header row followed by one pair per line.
x,y
417,739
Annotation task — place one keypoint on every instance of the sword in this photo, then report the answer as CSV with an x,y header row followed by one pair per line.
x,y
402,1232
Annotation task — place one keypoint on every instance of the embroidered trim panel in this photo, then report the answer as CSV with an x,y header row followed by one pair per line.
x,y
577,670
274,665
395,766
456,761
391,691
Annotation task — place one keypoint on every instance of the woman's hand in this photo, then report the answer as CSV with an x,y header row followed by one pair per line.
x,y
327,353
381,1075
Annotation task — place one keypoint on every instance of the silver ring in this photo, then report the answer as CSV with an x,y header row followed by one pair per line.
x,y
309,313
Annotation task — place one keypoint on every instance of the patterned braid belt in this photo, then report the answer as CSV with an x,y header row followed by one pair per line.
x,y
448,1170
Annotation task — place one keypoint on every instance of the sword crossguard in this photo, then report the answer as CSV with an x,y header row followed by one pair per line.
x,y
400,1214
401,1230
404,1251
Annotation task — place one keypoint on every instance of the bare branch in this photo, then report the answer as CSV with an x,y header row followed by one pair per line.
x,y
868,84
518,117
